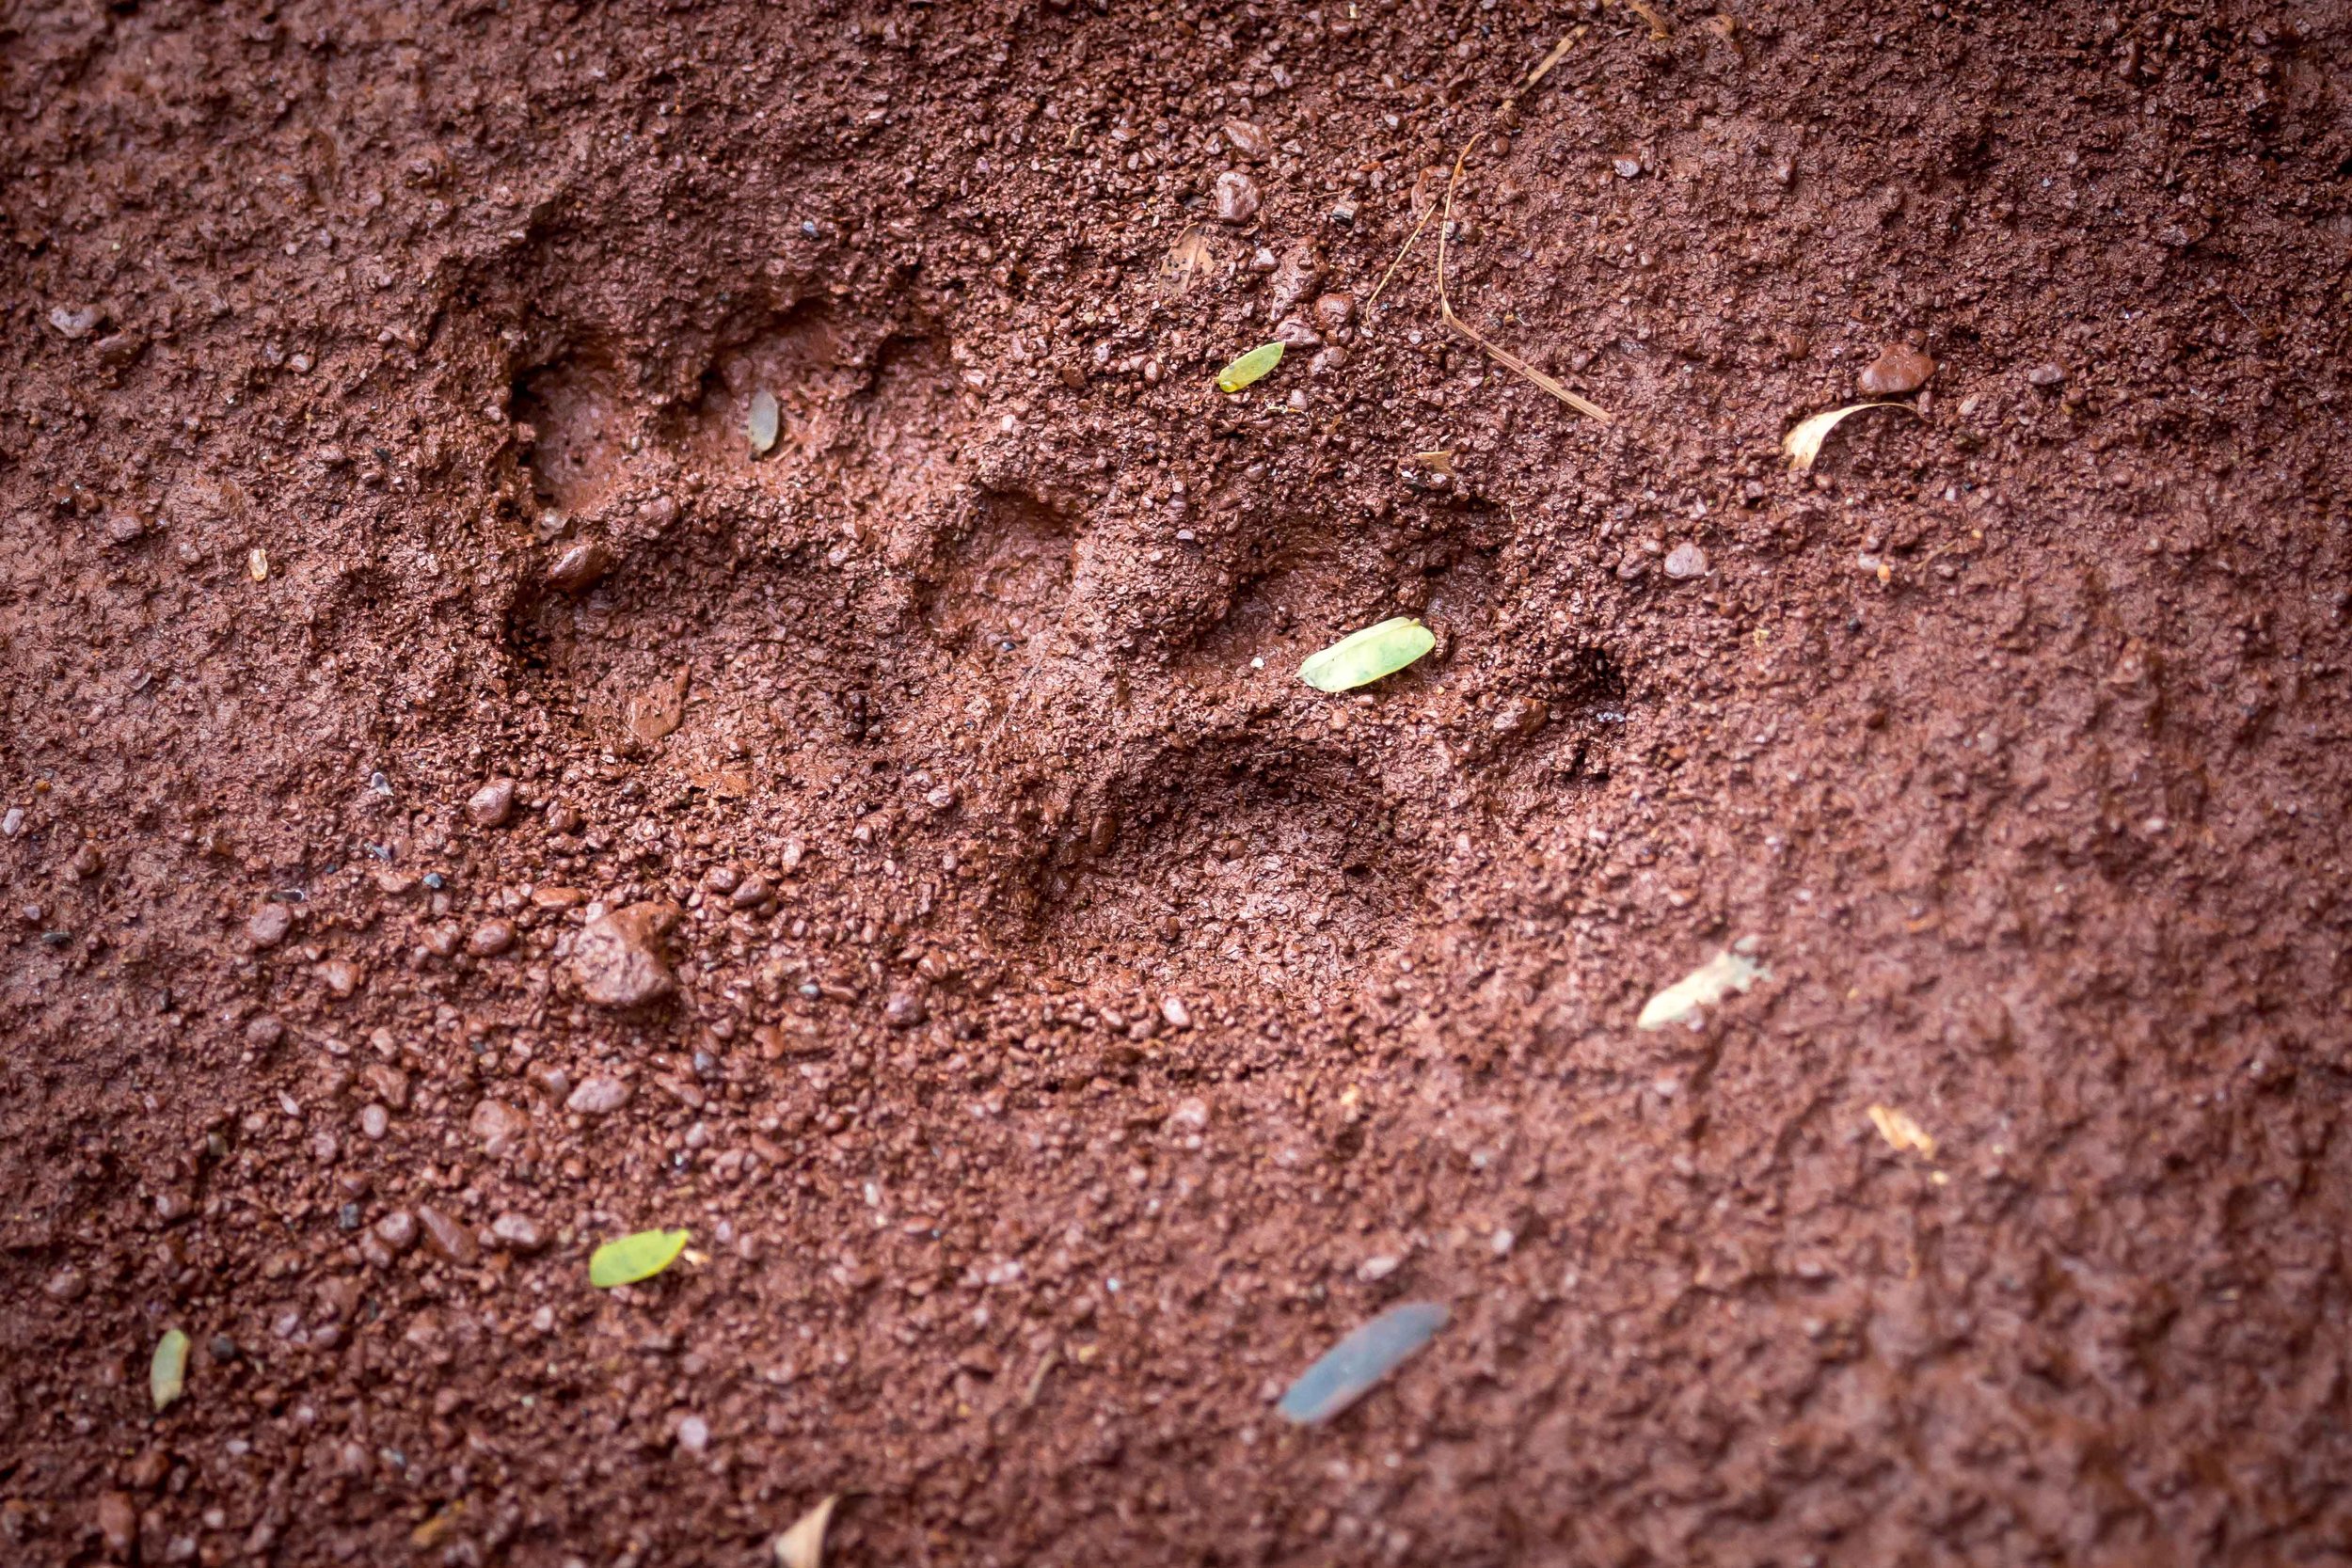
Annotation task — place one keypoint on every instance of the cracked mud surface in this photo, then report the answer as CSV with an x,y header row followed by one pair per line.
x,y
1059,1024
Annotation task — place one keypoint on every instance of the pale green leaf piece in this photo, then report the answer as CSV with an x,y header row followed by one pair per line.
x,y
167,1373
764,423
1254,366
1720,976
1363,656
634,1257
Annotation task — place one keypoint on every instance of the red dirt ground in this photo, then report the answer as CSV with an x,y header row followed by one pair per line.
x,y
1074,1022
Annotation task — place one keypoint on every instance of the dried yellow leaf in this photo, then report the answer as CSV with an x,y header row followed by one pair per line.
x,y
804,1545
1901,1134
434,1530
1721,976
1804,444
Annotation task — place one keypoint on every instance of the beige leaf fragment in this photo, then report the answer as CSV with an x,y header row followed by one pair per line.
x,y
434,1530
1903,1134
257,563
1804,444
733,782
657,710
1187,261
1728,972
804,1545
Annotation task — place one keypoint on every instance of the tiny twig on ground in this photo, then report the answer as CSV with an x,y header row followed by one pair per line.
x,y
1647,13
1500,356
1403,251
1543,68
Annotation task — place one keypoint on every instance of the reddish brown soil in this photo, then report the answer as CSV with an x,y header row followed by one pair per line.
x,y
2015,735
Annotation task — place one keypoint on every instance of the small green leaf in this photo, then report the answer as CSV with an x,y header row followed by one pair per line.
x,y
167,1373
634,1257
1363,656
763,427
1254,366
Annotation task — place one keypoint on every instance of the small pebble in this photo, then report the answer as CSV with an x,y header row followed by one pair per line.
x,y
1249,140
752,892
598,1096
1627,166
519,1233
492,804
150,1470
491,938
1520,716
617,959
267,926
905,1009
1296,332
397,1230
500,1126
1686,560
580,567
375,1121
693,1434
389,1084
1333,311
1900,369
447,1237
1236,197
118,1523
1173,1010
2046,375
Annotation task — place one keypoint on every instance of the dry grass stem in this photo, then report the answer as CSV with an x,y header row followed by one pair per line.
x,y
1499,354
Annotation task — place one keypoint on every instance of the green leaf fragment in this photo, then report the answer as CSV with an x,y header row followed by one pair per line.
x,y
1254,366
634,1257
764,423
1363,656
167,1373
